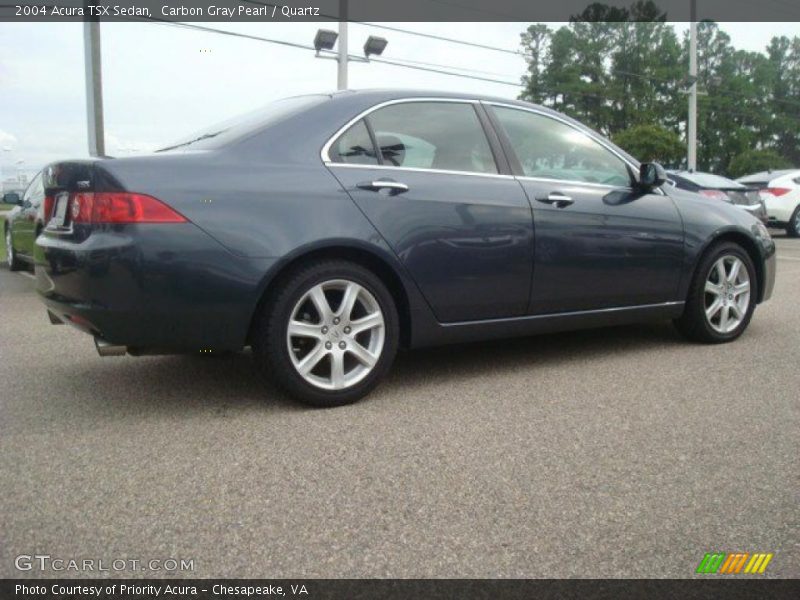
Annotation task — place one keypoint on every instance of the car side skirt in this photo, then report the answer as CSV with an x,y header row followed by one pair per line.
x,y
432,334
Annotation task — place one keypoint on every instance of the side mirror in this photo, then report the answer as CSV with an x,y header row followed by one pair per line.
x,y
12,198
651,176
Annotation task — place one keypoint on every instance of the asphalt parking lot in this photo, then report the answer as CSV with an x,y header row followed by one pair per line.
x,y
621,452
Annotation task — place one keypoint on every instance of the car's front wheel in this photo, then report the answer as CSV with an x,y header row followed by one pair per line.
x,y
722,296
330,333
11,254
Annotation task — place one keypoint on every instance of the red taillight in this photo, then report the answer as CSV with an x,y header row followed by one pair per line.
x,y
121,207
716,194
48,208
776,191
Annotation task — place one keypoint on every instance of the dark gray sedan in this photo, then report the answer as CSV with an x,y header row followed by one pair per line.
x,y
328,231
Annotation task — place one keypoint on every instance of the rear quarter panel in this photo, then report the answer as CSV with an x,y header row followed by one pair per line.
x,y
262,212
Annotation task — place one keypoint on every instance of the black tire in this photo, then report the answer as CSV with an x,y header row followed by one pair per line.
x,y
14,263
270,348
793,228
693,323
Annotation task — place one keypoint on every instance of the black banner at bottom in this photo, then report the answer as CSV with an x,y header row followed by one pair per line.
x,y
391,589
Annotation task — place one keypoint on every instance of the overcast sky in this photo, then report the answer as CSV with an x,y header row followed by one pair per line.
x,y
163,82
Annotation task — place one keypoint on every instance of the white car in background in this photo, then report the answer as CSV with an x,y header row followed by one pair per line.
x,y
780,191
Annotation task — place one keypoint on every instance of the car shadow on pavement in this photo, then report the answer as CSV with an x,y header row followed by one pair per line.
x,y
229,384
480,358
185,385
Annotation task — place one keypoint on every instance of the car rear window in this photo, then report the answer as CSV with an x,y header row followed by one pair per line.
x,y
709,180
224,132
756,184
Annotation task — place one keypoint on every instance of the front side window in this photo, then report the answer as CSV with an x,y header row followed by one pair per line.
x,y
432,135
354,146
550,149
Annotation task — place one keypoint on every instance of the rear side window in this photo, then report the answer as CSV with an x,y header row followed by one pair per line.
x,y
354,146
432,135
550,149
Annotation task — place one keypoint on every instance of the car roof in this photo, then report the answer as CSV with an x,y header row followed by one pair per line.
x,y
396,93
378,95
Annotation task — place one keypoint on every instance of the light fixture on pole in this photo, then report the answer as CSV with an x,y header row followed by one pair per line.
x,y
374,45
325,40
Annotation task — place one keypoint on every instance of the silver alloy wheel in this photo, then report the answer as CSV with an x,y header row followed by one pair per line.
x,y
335,334
797,220
9,249
727,294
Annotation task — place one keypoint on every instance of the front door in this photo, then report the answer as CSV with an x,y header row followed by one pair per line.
x,y
599,243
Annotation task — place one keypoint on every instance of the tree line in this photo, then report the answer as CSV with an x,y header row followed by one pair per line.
x,y
624,72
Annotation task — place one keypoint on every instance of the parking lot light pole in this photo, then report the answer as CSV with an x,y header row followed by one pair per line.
x,y
94,88
341,76
691,125
326,39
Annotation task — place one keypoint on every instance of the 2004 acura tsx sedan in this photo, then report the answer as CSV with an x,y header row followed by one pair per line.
x,y
327,231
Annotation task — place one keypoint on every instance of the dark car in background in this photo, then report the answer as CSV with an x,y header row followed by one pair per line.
x,y
23,223
721,188
331,230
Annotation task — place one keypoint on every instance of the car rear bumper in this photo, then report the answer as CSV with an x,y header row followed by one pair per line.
x,y
780,209
149,287
757,210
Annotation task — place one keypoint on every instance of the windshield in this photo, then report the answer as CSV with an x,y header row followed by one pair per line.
x,y
231,129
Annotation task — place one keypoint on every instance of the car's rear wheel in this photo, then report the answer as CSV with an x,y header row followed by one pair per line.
x,y
329,335
793,229
722,296
13,261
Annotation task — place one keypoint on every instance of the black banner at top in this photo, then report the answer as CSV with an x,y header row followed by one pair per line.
x,y
400,10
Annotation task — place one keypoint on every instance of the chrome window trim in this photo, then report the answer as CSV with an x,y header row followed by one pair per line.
x,y
325,149
419,170
574,313
574,182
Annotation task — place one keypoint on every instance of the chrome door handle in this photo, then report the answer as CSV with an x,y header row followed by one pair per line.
x,y
395,187
558,199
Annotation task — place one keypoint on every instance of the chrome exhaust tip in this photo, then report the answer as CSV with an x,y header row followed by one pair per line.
x,y
104,348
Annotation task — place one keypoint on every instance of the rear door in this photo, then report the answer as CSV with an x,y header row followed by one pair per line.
x,y
599,244
436,192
